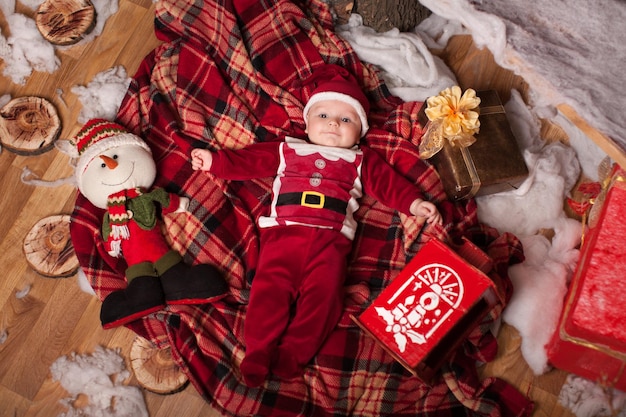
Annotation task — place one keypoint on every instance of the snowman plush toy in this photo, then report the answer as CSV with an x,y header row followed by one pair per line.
x,y
115,171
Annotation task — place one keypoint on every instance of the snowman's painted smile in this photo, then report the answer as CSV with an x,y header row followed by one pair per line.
x,y
132,170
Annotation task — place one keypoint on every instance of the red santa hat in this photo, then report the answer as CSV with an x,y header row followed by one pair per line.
x,y
98,136
336,83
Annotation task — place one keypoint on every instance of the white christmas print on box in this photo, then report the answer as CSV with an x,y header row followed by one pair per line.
x,y
434,292
434,302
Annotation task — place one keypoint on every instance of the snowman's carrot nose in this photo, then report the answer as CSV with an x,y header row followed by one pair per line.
x,y
108,161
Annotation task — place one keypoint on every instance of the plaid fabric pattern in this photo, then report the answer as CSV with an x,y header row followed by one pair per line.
x,y
227,75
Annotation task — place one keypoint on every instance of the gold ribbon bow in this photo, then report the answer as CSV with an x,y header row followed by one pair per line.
x,y
453,117
594,194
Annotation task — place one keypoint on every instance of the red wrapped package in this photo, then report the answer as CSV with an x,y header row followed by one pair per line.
x,y
431,306
590,339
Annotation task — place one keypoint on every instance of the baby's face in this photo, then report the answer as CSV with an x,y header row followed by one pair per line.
x,y
333,123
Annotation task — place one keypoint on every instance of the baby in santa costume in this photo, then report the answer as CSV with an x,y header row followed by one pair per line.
x,y
296,298
115,171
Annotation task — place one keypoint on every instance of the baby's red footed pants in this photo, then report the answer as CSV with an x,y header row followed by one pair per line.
x,y
295,302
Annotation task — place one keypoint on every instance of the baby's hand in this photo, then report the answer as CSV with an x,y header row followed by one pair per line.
x,y
426,209
201,159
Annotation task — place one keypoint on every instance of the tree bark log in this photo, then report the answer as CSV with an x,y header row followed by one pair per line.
x,y
383,15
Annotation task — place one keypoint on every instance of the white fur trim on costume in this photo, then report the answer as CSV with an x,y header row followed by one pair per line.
x,y
102,146
333,95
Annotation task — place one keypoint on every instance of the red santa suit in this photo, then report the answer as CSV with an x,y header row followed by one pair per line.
x,y
296,297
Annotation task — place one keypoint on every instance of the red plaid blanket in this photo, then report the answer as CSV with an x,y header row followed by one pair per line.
x,y
226,75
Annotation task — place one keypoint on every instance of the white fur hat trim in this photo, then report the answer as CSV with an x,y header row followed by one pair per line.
x,y
333,95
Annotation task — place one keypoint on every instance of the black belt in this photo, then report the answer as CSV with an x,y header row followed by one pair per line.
x,y
313,199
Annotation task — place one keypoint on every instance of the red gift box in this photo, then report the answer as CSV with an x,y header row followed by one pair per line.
x,y
590,339
431,306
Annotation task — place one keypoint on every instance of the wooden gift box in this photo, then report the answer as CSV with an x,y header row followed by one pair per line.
x,y
495,162
431,306
590,339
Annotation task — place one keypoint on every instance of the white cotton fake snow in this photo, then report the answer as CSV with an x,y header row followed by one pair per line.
x,y
101,98
588,399
100,378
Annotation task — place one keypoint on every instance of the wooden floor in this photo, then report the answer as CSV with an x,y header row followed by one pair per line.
x,y
56,318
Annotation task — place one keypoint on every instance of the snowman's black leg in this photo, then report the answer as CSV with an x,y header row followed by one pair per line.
x,y
197,284
143,296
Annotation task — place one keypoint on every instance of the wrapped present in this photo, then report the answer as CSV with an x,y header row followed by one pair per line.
x,y
490,163
590,339
431,306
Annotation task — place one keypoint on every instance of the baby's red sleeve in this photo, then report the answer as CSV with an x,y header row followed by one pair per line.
x,y
255,161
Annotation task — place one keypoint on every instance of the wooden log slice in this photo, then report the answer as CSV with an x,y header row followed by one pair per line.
x,y
29,125
155,368
48,247
65,22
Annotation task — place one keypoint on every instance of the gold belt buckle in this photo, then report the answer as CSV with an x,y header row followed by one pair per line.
x,y
318,205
